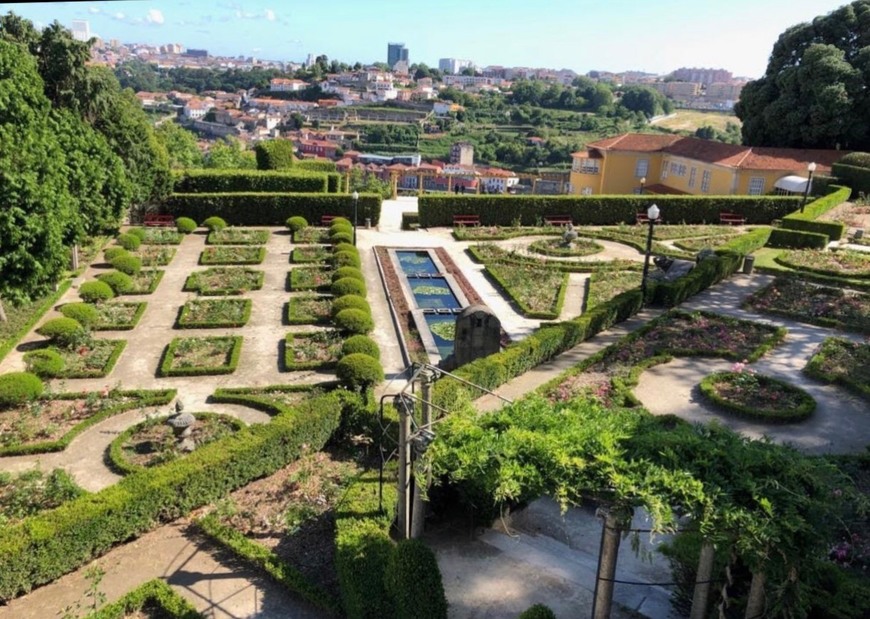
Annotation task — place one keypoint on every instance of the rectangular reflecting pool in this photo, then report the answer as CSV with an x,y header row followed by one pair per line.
x,y
443,329
432,293
417,262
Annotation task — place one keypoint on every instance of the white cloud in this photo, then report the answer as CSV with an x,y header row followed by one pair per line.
x,y
94,10
270,15
154,17
119,16
257,50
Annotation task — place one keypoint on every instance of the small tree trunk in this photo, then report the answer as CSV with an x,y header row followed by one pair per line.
x,y
610,536
701,597
2,312
755,603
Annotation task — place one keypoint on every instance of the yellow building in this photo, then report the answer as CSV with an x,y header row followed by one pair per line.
x,y
670,164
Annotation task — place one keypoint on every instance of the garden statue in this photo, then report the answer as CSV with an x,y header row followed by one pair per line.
x,y
569,236
182,426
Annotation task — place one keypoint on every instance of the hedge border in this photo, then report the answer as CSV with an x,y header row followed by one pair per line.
x,y
781,259
119,346
178,237
141,306
234,181
204,260
292,366
323,239
154,283
165,368
296,256
805,220
146,398
222,292
35,317
155,592
185,310
813,368
295,287
523,308
294,318
258,240
801,413
585,266
796,239
540,247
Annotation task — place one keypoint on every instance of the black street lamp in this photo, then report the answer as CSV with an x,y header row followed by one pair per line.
x,y
810,169
355,197
642,183
653,214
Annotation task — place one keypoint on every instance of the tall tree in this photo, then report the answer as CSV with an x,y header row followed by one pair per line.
x,y
180,144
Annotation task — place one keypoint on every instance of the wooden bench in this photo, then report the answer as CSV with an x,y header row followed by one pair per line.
x,y
641,218
155,220
326,220
732,219
558,220
466,220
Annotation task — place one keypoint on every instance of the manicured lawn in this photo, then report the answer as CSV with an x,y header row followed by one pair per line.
x,y
843,362
605,284
224,281
309,351
118,316
201,356
309,309
230,254
238,236
214,313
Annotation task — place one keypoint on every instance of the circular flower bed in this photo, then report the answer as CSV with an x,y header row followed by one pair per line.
x,y
152,442
746,393
840,263
556,247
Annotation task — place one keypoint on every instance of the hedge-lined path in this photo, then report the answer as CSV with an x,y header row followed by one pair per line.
x,y
574,296
217,584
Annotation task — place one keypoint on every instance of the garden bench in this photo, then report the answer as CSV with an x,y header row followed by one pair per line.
x,y
641,218
155,220
732,219
558,220
466,220
326,220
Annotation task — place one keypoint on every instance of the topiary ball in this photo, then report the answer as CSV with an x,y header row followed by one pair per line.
x,y
348,285
340,237
214,224
346,259
345,247
46,363
114,252
95,292
359,371
61,331
85,313
139,233
354,321
336,228
351,301
538,611
129,242
16,388
351,272
297,223
340,220
128,264
120,283
361,344
185,225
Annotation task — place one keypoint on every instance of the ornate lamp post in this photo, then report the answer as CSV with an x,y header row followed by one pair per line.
x,y
653,213
810,169
642,183
355,197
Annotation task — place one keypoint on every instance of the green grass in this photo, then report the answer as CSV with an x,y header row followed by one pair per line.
x,y
21,318
689,120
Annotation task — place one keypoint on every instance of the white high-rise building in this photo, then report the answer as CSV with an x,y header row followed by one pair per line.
x,y
310,60
81,30
453,66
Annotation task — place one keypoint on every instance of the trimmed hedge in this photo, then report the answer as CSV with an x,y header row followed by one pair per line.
x,y
315,165
274,155
85,313
185,225
117,346
348,271
538,611
361,344
128,264
185,322
61,331
805,222
492,271
155,596
45,546
111,253
358,371
270,209
124,326
44,362
95,292
166,368
119,282
856,177
130,242
213,223
233,181
351,301
601,210
410,221
794,239
296,223
348,285
704,275
346,259
354,321
836,348
19,387
801,412
413,581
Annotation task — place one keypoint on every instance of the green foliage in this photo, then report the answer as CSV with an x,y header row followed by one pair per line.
x,y
230,153
296,223
315,165
168,366
180,144
351,301
185,225
340,226
231,181
348,271
747,243
274,155
22,318
85,313
857,159
341,237
704,275
345,247
16,388
139,233
771,412
538,611
358,371
95,292
111,253
61,331
410,221
214,223
341,221
271,209
413,581
131,265
45,363
842,362
858,178
348,285
155,597
806,221
361,344
354,321
130,242
346,259
795,239
119,282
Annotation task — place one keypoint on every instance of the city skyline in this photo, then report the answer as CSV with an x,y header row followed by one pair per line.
x,y
578,34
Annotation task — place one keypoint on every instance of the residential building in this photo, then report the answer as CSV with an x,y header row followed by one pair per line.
x,y
317,148
672,164
196,53
197,108
497,180
703,76
454,65
472,80
678,90
462,153
726,91
81,30
395,53
281,84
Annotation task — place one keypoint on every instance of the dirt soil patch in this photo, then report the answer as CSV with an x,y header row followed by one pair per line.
x,y
46,420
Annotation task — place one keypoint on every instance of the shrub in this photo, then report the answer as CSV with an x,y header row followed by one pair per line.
x,y
341,237
340,227
185,225
139,233
202,181
354,321
413,581
274,155
61,330
348,285
95,292
410,221
361,344
359,371
297,223
346,247
113,252
351,301
346,259
704,275
128,264
341,221
795,239
119,282
538,611
349,271
16,388
129,242
85,313
214,224
45,362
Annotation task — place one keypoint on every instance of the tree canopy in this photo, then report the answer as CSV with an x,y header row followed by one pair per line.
x,y
814,92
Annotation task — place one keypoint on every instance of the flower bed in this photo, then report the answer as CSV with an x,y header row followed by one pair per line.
x,y
153,442
231,254
309,309
710,242
311,235
499,233
309,278
155,255
162,236
319,350
807,302
841,263
238,236
635,237
844,363
214,313
605,284
487,253
224,281
555,247
315,253
538,292
34,491
118,316
92,359
201,356
756,396
671,232
145,281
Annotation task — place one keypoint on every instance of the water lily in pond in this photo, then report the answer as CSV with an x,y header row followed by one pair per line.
x,y
431,290
444,330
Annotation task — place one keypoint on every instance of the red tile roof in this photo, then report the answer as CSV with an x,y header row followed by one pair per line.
x,y
641,142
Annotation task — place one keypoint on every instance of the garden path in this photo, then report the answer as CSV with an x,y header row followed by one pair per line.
x,y
574,296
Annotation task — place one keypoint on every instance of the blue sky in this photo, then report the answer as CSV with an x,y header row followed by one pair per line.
x,y
613,35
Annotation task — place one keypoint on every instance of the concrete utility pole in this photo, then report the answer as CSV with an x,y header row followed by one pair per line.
x,y
701,596
607,556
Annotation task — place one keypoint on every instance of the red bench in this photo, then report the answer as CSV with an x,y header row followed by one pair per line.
x,y
732,219
558,220
326,220
641,218
155,220
466,220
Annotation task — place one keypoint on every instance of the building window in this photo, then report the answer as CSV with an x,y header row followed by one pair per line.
x,y
705,181
587,191
674,168
664,170
641,168
586,166
692,174
756,186
681,170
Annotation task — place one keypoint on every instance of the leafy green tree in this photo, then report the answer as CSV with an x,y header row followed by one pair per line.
x,y
229,152
180,145
646,100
